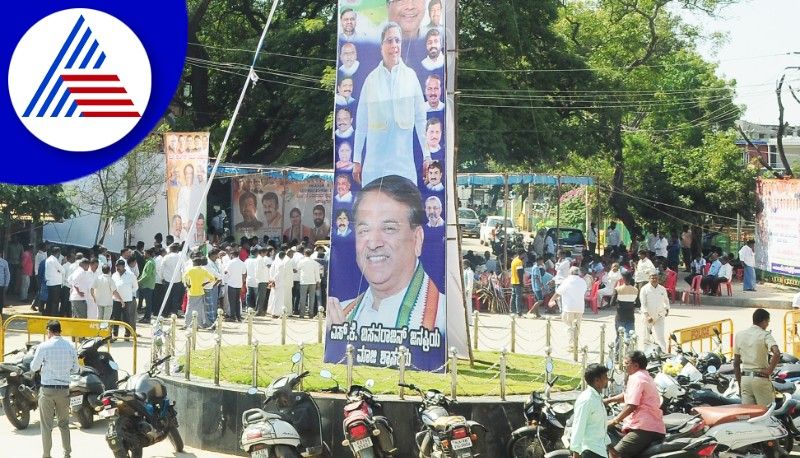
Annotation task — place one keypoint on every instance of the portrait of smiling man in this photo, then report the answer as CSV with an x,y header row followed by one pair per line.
x,y
409,14
389,221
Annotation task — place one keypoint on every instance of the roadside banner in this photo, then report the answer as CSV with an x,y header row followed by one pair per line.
x,y
778,230
390,212
187,167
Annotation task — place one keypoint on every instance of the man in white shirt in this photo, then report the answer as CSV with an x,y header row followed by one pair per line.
x,y
571,292
54,278
295,254
591,238
344,125
644,268
212,289
310,275
172,270
433,94
563,266
103,293
435,58
234,275
433,210
610,282
613,238
251,267
344,92
655,308
81,280
433,136
661,245
69,263
748,257
348,56
262,275
343,194
389,114
469,285
125,285
725,274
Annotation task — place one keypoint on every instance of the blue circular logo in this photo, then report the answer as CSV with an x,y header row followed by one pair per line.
x,y
86,83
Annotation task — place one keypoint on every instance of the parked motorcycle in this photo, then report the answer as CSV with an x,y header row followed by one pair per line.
x,y
546,422
444,435
367,431
19,387
141,415
288,425
98,373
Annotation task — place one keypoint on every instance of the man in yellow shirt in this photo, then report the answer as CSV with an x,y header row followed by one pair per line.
x,y
195,279
517,268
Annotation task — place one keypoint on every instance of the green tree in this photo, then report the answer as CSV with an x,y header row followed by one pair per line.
x,y
32,203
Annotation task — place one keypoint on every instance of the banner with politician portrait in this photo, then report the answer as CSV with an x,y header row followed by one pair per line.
x,y
387,265
307,206
778,230
187,168
258,205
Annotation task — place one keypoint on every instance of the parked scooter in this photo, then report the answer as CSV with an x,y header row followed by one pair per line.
x,y
98,373
444,435
367,431
141,415
19,387
546,422
289,424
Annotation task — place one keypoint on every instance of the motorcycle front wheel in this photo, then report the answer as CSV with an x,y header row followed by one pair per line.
x,y
85,415
176,439
528,446
17,414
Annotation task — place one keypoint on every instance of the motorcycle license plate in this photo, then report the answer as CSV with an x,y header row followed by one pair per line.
x,y
362,444
263,453
459,444
75,401
107,413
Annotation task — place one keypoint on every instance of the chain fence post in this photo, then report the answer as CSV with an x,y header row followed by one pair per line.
x,y
575,348
169,350
283,326
634,341
173,334
188,365
453,373
255,363
548,332
194,329
503,375
513,333
401,369
603,344
584,356
349,353
301,366
220,320
548,371
320,323
250,317
475,330
217,357
621,338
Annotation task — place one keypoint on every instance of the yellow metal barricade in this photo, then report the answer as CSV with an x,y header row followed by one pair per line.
x,y
70,327
701,337
791,339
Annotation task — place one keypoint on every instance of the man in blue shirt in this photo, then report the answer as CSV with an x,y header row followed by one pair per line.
x,y
709,281
588,437
56,359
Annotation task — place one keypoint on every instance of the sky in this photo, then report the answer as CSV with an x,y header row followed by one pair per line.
x,y
760,34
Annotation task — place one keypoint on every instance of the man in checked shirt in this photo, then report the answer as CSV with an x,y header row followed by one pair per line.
x,y
56,359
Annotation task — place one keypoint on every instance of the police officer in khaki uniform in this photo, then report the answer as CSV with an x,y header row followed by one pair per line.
x,y
752,364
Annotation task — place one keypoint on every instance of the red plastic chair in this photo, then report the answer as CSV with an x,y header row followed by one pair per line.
x,y
706,268
591,298
695,292
730,288
739,274
671,283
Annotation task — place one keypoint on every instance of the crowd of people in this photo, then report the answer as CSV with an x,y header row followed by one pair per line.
x,y
261,274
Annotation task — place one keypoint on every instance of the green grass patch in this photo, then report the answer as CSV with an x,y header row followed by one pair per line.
x,y
525,373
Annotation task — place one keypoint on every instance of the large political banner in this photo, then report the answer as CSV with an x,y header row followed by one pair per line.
x,y
283,206
778,229
187,165
387,266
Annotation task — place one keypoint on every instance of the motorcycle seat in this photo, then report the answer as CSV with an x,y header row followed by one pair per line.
x,y
354,417
257,415
666,447
784,387
355,405
442,423
725,414
674,422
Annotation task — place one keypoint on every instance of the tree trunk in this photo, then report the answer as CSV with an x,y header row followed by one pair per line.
x,y
617,200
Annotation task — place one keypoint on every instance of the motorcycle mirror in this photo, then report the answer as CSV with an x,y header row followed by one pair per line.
x,y
673,338
104,325
325,373
711,370
113,365
252,390
296,357
369,383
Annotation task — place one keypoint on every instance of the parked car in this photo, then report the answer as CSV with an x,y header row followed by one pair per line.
x,y
489,225
569,239
468,222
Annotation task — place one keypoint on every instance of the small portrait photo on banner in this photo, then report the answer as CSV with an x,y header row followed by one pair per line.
x,y
187,172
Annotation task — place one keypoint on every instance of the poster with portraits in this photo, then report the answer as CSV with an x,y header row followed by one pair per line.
x,y
387,265
283,206
778,229
187,170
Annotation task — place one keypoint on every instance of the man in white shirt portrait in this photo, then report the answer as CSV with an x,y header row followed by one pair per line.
x,y
389,114
433,210
344,91
348,56
343,194
433,43
343,223
408,14
433,94
347,19
434,177
433,135
389,235
344,123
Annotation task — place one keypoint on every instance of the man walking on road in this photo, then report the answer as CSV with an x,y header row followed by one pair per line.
x,y
655,308
752,364
571,292
56,359
54,277
310,276
517,274
748,257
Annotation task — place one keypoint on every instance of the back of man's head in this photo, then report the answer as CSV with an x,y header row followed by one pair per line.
x,y
760,315
54,326
574,270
